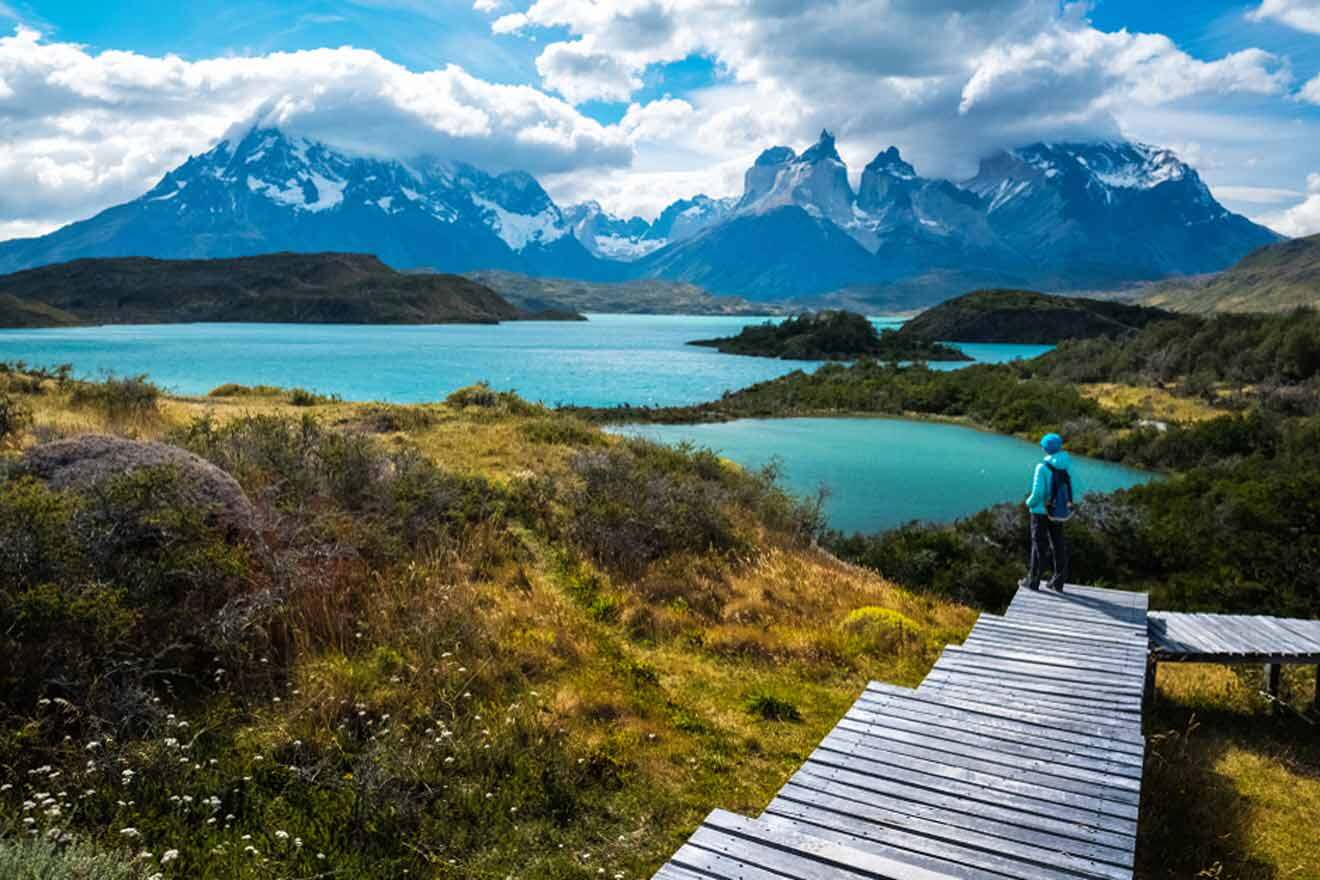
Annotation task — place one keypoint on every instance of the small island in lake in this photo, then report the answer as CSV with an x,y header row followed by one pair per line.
x,y
831,336
1029,318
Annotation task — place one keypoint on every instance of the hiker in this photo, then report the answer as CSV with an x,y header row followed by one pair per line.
x,y
1051,504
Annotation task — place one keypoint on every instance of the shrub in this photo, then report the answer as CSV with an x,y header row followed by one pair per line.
x,y
233,389
564,430
636,502
101,590
482,396
399,498
771,708
881,631
128,399
303,397
14,417
41,859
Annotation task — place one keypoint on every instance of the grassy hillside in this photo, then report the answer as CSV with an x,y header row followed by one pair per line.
x,y
288,288
478,638
649,296
452,646
1276,278
1023,316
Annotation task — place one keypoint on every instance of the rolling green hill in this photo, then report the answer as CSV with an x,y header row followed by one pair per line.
x,y
1026,317
1276,278
286,288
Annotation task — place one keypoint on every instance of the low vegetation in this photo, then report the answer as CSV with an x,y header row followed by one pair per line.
x,y
459,640
831,336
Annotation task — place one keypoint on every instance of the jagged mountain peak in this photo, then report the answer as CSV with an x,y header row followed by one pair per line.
x,y
775,156
891,162
821,150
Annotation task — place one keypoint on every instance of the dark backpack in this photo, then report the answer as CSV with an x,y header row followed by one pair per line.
x,y
1059,507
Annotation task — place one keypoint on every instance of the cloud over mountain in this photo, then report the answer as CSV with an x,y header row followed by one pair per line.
x,y
83,130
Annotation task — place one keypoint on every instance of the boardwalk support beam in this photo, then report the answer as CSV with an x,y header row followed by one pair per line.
x,y
1271,682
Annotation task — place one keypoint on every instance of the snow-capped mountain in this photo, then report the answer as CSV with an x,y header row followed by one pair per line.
x,y
1054,216
1110,212
1050,215
611,237
264,191
607,236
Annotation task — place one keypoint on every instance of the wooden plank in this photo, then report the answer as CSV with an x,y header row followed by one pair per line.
x,y
976,794
1012,715
1050,667
1034,772
937,771
962,733
935,822
997,855
916,800
808,857
1053,734
1033,687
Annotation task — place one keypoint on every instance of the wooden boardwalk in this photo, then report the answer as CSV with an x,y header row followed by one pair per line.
x,y
1235,638
1019,756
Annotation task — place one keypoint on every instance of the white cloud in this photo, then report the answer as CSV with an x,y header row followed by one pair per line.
x,y
947,80
1258,195
1304,15
1301,219
1311,91
82,131
487,5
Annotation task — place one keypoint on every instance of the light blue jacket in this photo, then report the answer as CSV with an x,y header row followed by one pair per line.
x,y
1040,482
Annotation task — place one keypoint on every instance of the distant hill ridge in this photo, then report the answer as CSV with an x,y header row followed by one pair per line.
x,y
1028,318
278,288
1275,278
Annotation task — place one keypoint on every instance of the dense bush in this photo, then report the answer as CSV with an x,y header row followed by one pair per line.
x,y
482,396
637,502
119,399
398,499
41,859
102,589
14,417
1250,349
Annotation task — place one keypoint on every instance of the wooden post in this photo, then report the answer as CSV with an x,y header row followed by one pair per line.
x,y
1271,683
1152,676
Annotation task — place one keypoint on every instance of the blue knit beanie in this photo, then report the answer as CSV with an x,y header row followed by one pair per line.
x,y
1051,443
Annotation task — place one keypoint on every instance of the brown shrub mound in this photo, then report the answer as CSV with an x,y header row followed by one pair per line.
x,y
79,463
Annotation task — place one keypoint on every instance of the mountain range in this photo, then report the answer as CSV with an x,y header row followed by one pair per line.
x,y
1055,216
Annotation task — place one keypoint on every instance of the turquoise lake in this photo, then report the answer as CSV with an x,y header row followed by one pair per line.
x,y
608,360
881,473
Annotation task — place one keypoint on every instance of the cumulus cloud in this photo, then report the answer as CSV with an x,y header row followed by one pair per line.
x,y
82,131
1304,217
947,80
1311,91
1304,15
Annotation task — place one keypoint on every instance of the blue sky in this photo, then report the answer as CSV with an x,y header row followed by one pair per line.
x,y
653,99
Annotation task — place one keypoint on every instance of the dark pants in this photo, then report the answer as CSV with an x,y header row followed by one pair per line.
x,y
1049,548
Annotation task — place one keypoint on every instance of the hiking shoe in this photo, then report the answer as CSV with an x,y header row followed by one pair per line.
x,y
1058,588
1023,585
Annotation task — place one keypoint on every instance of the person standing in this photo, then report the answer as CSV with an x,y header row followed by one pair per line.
x,y
1051,504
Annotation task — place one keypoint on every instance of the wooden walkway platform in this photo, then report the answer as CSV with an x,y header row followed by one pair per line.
x,y
1019,756
1232,638
1176,637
